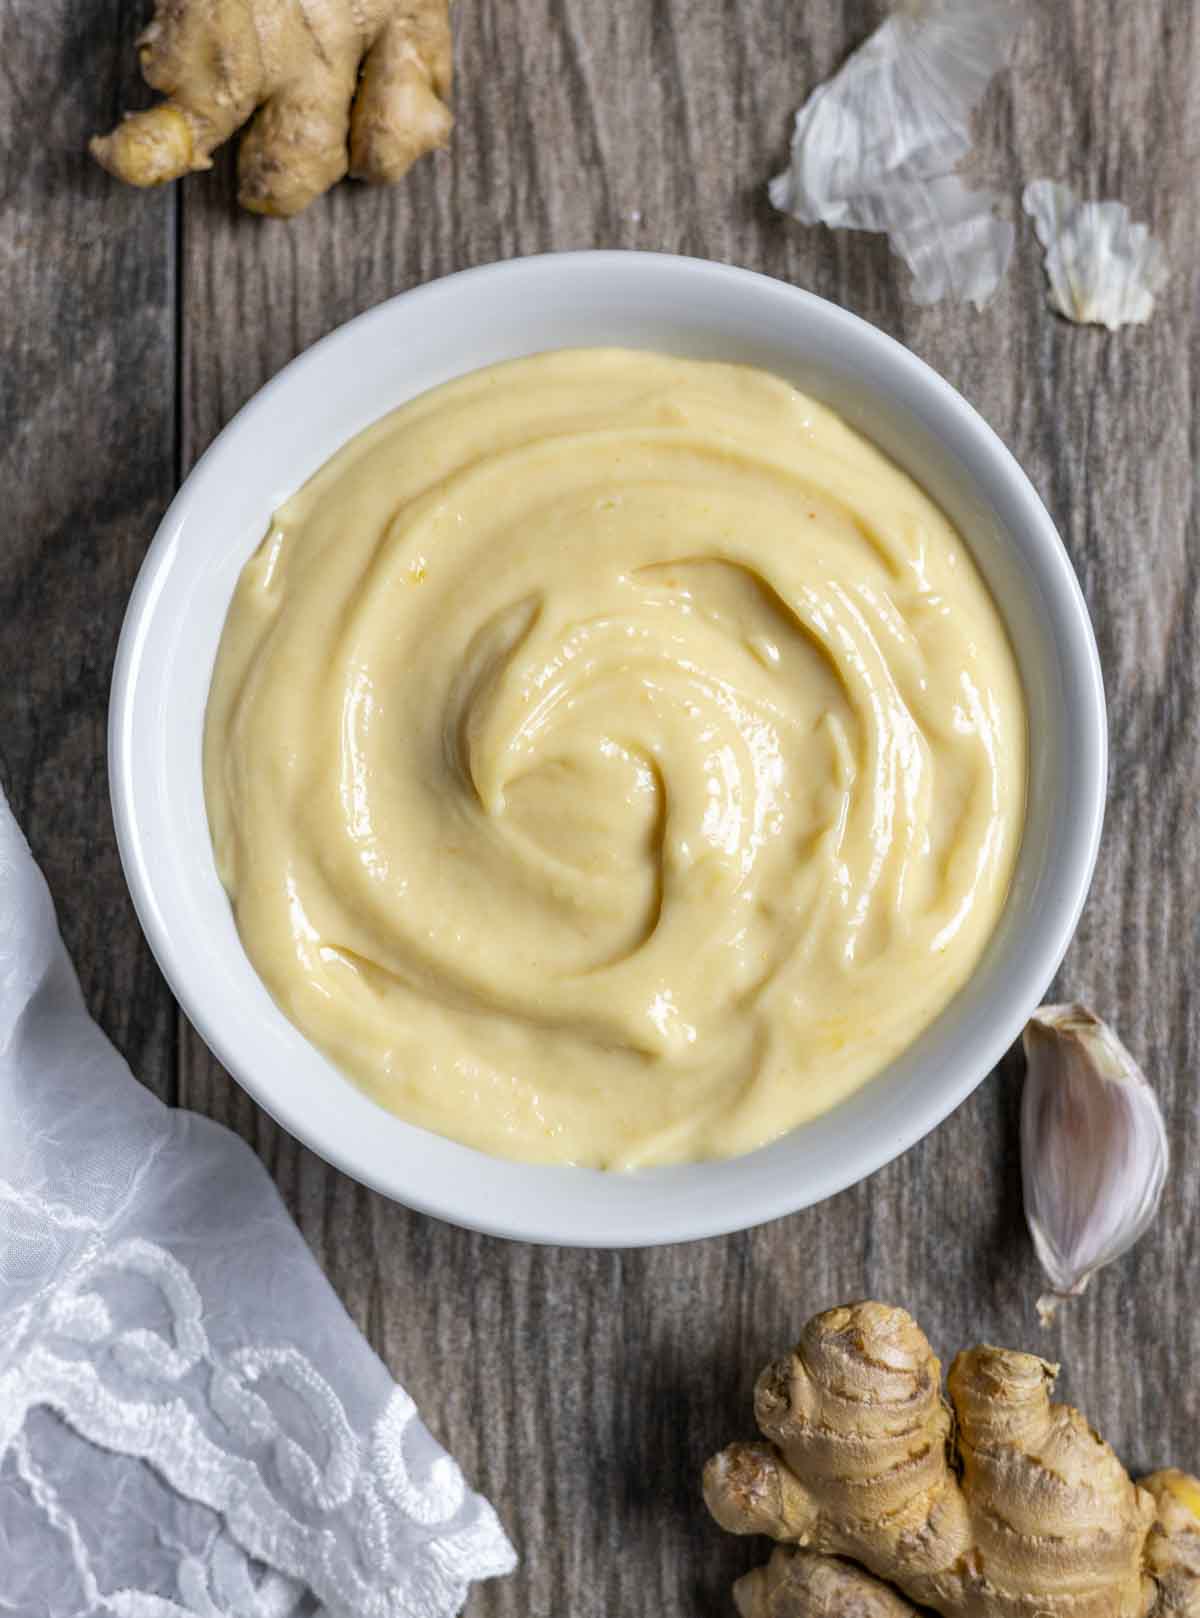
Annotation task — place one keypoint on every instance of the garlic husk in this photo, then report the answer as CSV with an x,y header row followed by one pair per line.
x,y
1103,269
876,146
1094,1149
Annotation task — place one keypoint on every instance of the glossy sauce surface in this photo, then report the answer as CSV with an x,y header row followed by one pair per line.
x,y
613,759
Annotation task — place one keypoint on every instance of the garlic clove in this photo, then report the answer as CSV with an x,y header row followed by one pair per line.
x,y
1094,1148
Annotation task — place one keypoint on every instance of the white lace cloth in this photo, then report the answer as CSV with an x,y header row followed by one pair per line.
x,y
189,1422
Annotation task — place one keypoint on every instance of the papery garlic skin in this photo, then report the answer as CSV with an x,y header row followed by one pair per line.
x,y
1103,269
1094,1151
875,148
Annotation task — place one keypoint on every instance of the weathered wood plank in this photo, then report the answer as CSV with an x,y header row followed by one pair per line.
x,y
583,1390
87,406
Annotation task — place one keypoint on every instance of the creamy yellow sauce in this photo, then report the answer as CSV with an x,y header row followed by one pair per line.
x,y
613,759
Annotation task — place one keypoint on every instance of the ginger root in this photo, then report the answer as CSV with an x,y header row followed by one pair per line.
x,y
995,1505
340,86
1173,1549
798,1584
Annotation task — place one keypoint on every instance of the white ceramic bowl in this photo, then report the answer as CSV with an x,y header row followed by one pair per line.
x,y
423,338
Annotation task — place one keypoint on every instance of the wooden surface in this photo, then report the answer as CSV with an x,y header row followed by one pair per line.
x,y
583,1390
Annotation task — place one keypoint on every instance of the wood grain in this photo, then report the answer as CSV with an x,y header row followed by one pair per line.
x,y
583,1390
87,465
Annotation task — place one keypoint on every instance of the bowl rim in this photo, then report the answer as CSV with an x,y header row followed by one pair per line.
x,y
706,1217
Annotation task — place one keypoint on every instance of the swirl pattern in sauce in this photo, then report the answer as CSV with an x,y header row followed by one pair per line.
x,y
613,759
